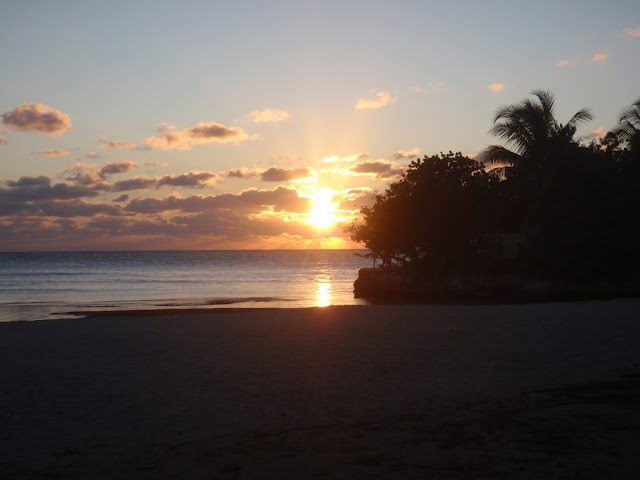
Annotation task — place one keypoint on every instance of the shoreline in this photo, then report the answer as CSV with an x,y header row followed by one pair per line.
x,y
342,391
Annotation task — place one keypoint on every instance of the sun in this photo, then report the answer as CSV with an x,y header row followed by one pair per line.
x,y
322,215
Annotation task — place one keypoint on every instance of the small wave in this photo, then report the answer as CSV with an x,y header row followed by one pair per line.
x,y
221,301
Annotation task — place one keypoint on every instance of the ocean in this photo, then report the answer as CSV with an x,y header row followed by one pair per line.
x,y
44,285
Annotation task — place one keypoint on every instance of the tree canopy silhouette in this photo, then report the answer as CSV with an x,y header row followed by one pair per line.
x,y
576,207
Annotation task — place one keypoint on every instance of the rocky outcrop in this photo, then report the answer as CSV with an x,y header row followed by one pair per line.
x,y
398,285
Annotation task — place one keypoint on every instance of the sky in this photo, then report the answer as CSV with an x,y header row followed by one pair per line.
x,y
153,125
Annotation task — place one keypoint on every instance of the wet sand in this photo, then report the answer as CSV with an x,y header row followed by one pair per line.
x,y
421,391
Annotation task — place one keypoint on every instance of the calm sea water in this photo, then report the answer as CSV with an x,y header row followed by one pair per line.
x,y
34,285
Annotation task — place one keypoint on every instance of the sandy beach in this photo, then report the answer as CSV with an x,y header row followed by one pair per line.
x,y
385,391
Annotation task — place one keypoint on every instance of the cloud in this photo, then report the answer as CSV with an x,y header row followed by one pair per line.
x,y
92,155
191,179
355,198
212,132
117,167
252,200
349,158
3,140
496,87
275,174
599,57
136,183
36,117
40,188
632,32
269,115
53,152
403,154
69,209
597,133
431,87
117,144
122,198
564,63
383,99
379,169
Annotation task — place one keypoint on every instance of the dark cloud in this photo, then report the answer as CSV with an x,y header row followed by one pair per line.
x,y
36,117
211,132
70,209
117,167
137,183
122,198
274,174
254,201
379,169
241,173
191,179
40,188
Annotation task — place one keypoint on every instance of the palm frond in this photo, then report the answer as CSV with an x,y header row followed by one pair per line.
x,y
497,154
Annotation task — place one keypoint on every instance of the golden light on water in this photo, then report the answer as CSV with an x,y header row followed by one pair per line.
x,y
323,294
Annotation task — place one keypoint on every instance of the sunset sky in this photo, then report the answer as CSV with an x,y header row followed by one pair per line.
x,y
230,125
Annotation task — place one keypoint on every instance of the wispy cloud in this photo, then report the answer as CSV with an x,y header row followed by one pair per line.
x,y
404,154
273,174
211,132
269,115
3,140
632,32
92,155
53,152
36,117
117,144
382,99
566,63
496,87
599,57
348,158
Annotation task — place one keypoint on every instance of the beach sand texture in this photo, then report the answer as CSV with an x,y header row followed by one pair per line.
x,y
385,391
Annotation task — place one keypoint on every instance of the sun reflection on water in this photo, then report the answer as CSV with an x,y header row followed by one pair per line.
x,y
323,294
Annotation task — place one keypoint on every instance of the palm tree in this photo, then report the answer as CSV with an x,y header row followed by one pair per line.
x,y
628,130
530,129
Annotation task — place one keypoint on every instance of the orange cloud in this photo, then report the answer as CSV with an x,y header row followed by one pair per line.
x,y
211,132
53,152
36,117
599,57
597,133
383,99
496,87
3,140
632,32
402,154
269,115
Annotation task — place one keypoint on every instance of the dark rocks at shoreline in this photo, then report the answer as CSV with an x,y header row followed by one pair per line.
x,y
397,285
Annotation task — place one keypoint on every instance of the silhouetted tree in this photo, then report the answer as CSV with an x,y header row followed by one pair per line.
x,y
435,217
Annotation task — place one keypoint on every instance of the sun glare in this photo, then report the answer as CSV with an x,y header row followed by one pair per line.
x,y
322,214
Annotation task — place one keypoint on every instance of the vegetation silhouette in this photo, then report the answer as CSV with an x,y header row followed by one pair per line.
x,y
574,208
